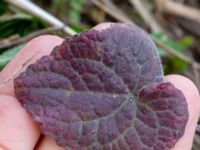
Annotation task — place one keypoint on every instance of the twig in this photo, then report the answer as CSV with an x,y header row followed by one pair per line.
x,y
37,11
176,54
29,37
111,12
9,39
179,9
146,15
112,6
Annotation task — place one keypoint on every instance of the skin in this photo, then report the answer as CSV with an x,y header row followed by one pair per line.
x,y
19,131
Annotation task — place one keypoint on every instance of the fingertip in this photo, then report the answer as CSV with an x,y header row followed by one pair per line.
x,y
188,88
45,39
103,26
191,93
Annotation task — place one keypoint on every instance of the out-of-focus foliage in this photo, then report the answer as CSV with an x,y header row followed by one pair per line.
x,y
21,24
179,46
69,11
172,64
78,15
72,10
3,7
75,7
15,22
8,55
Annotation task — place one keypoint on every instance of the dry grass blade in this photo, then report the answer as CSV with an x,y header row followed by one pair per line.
x,y
178,55
178,9
29,37
37,11
9,40
111,12
112,6
146,15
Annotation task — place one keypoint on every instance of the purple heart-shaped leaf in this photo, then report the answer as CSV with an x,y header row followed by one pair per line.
x,y
104,90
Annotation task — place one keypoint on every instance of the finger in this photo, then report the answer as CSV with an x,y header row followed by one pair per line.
x,y
192,96
33,50
102,26
17,130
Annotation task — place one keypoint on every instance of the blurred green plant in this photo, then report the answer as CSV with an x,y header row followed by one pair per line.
x,y
73,10
15,22
8,55
76,6
3,7
172,64
21,24
77,28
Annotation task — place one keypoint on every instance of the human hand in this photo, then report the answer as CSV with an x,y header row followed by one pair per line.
x,y
19,132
